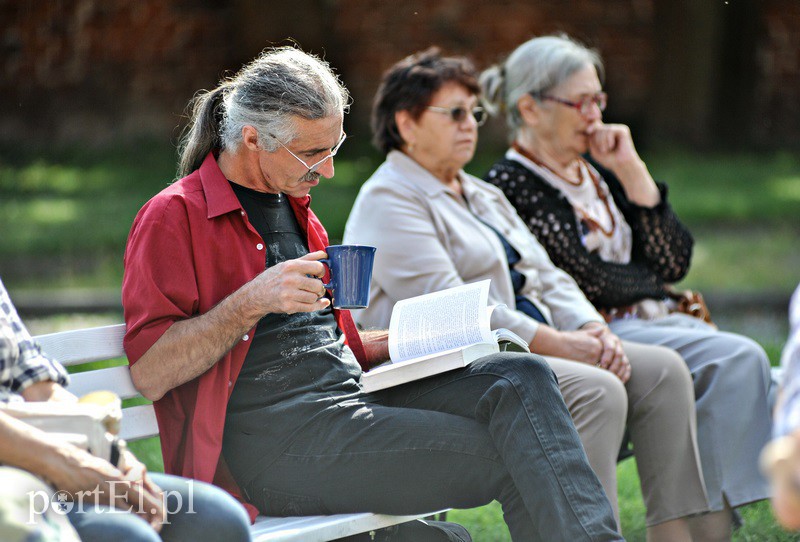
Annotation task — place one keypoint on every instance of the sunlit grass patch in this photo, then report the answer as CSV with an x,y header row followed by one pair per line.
x,y
746,259
786,188
708,187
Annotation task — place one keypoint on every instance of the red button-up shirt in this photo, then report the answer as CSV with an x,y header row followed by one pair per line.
x,y
189,248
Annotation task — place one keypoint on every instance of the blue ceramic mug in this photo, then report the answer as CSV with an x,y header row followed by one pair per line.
x,y
350,269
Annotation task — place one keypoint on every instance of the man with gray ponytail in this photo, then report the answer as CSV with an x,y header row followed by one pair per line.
x,y
256,379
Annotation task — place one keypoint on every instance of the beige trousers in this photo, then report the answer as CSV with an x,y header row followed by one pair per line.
x,y
657,405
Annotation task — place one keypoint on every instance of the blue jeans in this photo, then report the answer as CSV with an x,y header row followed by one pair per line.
x,y
214,515
498,429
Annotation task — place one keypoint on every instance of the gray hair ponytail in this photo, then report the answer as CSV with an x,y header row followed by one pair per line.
x,y
280,84
537,65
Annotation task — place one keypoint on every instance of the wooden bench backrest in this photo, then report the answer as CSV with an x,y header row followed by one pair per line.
x,y
82,346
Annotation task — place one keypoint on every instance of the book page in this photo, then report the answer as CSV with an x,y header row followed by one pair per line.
x,y
510,341
439,321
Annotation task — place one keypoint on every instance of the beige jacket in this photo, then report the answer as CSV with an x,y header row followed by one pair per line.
x,y
429,239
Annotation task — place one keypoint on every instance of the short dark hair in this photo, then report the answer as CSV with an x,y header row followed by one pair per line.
x,y
409,86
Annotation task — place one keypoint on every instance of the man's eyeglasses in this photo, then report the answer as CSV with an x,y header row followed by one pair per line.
x,y
315,166
459,114
584,106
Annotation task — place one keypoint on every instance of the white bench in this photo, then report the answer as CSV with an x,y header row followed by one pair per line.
x,y
82,346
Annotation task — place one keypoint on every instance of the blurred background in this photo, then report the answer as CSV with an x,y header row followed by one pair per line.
x,y
93,95
92,98
711,74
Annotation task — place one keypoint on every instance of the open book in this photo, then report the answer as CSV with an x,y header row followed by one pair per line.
x,y
438,332
90,424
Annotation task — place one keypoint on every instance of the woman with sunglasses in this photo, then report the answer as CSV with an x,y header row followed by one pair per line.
x,y
436,227
606,222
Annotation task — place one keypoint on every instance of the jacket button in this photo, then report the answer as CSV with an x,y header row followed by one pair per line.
x,y
246,337
260,246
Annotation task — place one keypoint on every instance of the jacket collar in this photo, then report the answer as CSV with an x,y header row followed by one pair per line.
x,y
220,197
414,174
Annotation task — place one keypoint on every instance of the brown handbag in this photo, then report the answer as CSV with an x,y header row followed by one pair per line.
x,y
691,303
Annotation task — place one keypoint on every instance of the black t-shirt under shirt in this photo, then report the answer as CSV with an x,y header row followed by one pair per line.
x,y
297,365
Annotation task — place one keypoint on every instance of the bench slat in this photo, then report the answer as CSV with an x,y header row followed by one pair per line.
x,y
116,379
321,528
138,422
104,343
84,345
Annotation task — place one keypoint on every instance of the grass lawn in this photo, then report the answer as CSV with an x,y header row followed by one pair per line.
x,y
486,523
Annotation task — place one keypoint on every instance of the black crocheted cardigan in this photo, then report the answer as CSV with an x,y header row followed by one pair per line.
x,y
661,247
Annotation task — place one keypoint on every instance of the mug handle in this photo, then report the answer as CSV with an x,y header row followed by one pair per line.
x,y
327,263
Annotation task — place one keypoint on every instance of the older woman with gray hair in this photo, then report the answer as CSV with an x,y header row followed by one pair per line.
x,y
437,227
606,222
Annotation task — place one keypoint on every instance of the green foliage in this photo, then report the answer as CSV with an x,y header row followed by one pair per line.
x,y
709,189
484,523
148,451
70,210
747,258
631,505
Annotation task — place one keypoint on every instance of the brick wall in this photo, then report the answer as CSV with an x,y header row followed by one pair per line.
x,y
379,35
92,69
777,98
100,70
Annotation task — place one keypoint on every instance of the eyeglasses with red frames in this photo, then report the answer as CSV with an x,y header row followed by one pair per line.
x,y
459,114
584,106
316,165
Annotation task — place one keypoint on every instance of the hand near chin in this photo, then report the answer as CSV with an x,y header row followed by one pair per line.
x,y
611,145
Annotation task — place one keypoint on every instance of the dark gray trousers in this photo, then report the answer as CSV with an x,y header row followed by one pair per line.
x,y
498,429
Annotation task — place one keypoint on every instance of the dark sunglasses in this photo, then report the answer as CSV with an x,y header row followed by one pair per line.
x,y
459,114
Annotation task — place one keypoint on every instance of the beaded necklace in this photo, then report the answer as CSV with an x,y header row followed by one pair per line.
x,y
583,166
